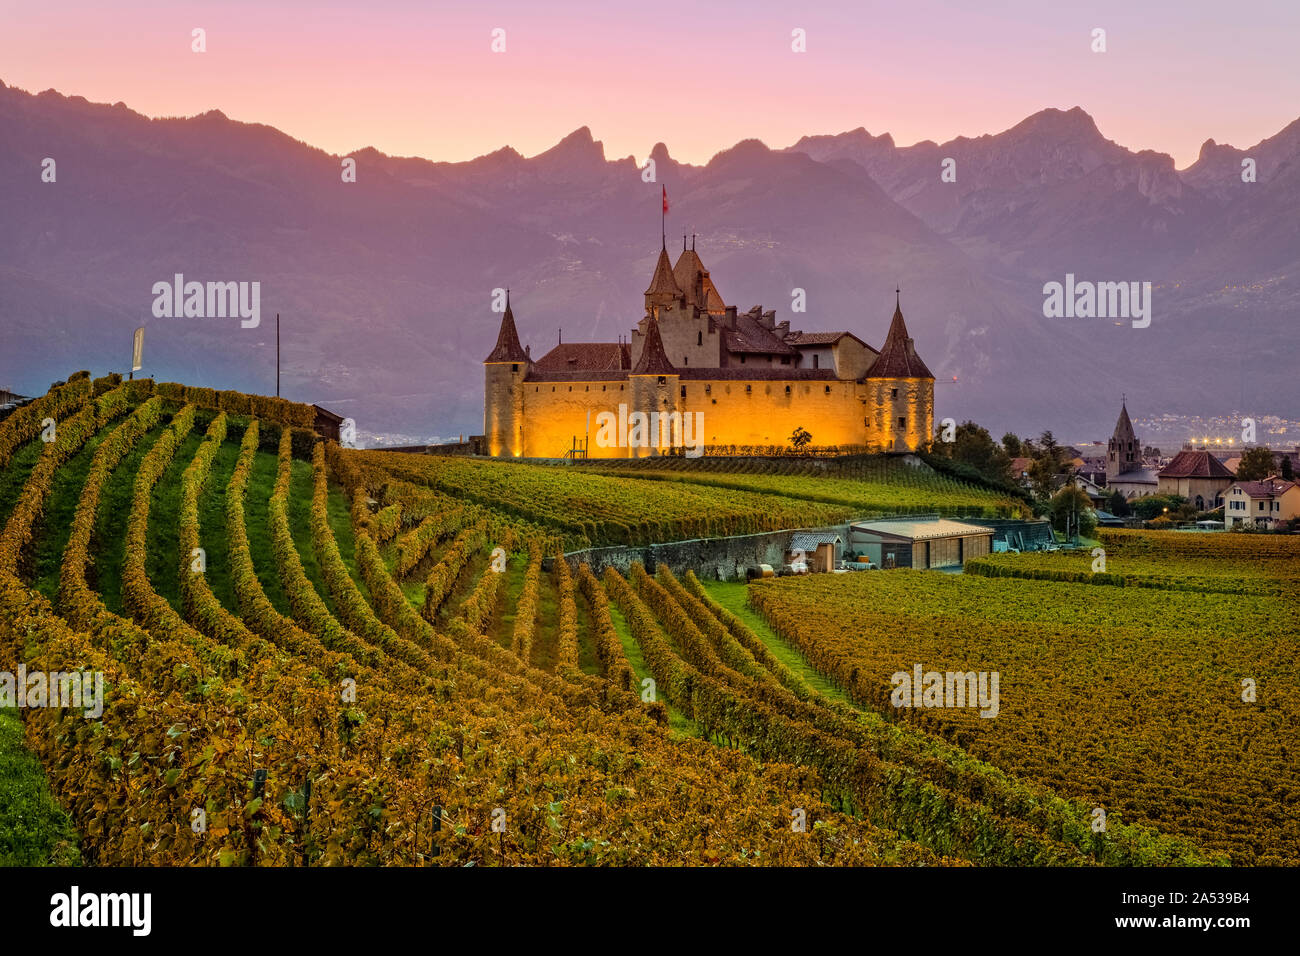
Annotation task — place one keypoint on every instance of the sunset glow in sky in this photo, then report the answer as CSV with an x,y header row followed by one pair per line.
x,y
419,78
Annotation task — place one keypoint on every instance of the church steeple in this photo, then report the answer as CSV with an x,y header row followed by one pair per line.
x,y
1124,451
507,348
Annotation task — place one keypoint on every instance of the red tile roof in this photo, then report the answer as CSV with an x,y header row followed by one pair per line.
x,y
594,375
1195,464
1268,488
751,337
739,373
585,356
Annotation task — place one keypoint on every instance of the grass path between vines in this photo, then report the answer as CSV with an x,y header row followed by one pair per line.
x,y
733,595
34,829
678,723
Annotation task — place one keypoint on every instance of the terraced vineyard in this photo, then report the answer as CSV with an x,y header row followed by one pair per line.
x,y
887,490
1172,560
1170,708
314,656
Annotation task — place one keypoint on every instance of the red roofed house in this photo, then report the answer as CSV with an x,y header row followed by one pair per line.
x,y
1260,504
752,379
1198,476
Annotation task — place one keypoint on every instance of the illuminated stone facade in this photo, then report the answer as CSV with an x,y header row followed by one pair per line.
x,y
716,378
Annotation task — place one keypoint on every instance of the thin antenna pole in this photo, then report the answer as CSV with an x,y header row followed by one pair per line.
x,y
277,355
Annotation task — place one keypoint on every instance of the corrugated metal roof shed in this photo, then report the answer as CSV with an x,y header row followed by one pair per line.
x,y
922,530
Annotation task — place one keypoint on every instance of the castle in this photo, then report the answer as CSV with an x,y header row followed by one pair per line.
x,y
697,374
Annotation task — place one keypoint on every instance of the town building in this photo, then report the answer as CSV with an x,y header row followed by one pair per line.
x,y
698,376
1198,476
1260,504
1125,470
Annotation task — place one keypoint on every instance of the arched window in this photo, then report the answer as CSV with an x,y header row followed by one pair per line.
x,y
1200,503
699,338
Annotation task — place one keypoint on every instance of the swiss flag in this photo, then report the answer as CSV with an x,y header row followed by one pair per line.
x,y
665,189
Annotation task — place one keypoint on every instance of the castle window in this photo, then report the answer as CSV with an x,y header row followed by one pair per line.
x,y
785,360
683,391
816,360
749,388
787,389
828,389
686,360
514,368
603,387
742,360
699,338
708,389
663,380
893,393
570,388
715,401
902,422
552,388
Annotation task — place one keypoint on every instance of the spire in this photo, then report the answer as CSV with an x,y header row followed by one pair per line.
x,y
898,358
1124,425
653,360
507,348
663,282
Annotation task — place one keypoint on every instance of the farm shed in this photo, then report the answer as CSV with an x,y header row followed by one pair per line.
x,y
911,543
327,423
821,550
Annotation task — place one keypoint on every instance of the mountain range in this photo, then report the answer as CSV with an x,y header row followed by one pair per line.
x,y
384,285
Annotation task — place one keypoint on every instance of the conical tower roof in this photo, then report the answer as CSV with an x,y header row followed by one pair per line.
x,y
663,282
898,358
508,348
1123,425
653,360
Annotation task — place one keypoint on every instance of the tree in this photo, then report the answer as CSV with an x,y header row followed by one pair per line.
x,y
1118,504
973,445
1048,467
1071,512
1287,471
1256,464
1011,445
1155,506
800,438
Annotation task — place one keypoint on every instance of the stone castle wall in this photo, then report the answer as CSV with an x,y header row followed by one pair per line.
x,y
759,412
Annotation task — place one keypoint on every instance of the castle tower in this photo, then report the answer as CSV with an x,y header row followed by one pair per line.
x,y
694,281
664,291
1123,451
900,392
504,371
654,387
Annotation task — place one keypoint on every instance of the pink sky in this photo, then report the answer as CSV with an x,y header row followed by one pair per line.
x,y
418,78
